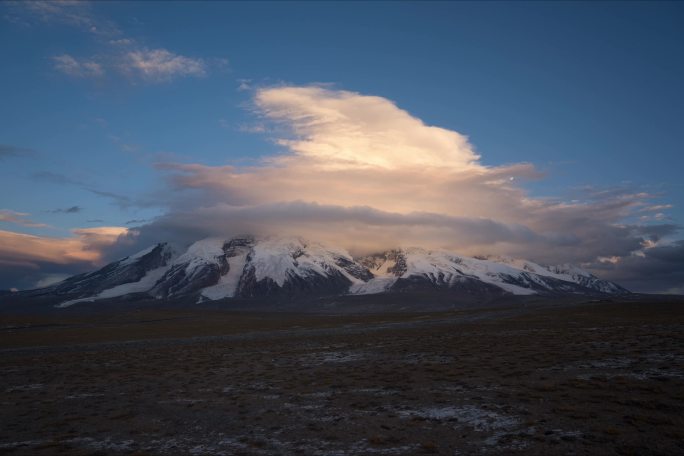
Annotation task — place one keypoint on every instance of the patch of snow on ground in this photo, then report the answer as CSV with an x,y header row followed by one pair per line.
x,y
105,445
31,387
469,415
13,445
314,359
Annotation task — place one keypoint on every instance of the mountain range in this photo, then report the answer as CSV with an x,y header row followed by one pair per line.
x,y
274,267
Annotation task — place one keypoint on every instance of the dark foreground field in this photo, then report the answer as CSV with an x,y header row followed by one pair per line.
x,y
598,378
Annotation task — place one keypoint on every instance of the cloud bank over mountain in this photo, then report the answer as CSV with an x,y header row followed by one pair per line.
x,y
359,172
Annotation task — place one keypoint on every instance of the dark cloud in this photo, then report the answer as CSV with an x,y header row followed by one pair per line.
x,y
25,258
136,221
123,201
68,210
658,269
25,276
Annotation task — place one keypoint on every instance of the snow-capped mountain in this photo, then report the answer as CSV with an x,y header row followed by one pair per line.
x,y
247,267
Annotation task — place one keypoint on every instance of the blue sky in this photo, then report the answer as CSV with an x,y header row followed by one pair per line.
x,y
95,95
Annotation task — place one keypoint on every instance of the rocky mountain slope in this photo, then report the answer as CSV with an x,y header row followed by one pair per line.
x,y
247,267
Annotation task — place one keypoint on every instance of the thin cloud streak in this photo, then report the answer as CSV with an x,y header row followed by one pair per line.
x,y
19,218
142,64
70,66
67,210
77,14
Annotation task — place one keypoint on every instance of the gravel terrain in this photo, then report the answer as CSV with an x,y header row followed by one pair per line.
x,y
594,378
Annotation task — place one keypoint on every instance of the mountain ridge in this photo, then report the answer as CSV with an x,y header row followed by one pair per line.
x,y
249,267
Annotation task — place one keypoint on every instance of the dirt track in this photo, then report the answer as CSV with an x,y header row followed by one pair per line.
x,y
604,378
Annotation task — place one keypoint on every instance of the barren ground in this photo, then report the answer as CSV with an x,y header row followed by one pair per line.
x,y
598,378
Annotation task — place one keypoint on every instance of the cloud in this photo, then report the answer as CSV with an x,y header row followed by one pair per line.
x,y
659,269
50,279
244,85
120,200
360,172
7,151
26,259
251,128
160,65
19,218
122,42
85,245
149,65
68,210
76,14
77,68
136,221
123,201
119,55
341,129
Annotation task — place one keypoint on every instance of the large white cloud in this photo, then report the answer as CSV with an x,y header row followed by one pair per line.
x,y
342,130
360,171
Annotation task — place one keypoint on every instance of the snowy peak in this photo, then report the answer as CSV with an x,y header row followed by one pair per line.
x,y
133,274
391,262
399,269
293,266
586,279
249,267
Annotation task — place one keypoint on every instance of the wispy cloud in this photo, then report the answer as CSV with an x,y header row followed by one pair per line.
x,y
252,128
136,221
147,65
7,151
123,201
54,178
19,218
78,14
50,279
68,210
161,65
244,85
77,68
119,55
122,42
